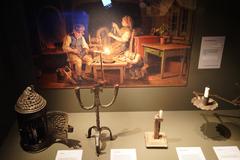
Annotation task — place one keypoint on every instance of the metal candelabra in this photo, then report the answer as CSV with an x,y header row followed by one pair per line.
x,y
97,103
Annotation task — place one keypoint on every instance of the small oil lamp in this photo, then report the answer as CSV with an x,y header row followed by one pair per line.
x,y
32,121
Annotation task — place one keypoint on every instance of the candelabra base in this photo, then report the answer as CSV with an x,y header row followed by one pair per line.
x,y
99,130
150,142
97,136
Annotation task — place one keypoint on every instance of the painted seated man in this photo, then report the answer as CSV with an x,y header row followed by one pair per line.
x,y
77,48
121,36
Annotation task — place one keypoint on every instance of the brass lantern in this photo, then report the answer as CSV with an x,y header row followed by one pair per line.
x,y
32,120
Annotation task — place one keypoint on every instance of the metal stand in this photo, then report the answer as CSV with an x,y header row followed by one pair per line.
x,y
235,101
96,89
210,104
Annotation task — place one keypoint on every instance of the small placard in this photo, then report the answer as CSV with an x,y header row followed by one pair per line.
x,y
211,52
123,154
190,153
69,154
227,152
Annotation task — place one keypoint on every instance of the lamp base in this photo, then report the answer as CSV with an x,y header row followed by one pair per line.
x,y
205,101
199,103
150,142
108,61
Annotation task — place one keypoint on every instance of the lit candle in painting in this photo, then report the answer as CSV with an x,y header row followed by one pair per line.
x,y
160,114
107,57
106,51
206,92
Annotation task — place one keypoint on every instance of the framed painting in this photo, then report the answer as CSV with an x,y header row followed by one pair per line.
x,y
84,43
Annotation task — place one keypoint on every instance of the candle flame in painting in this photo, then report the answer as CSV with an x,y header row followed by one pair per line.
x,y
106,51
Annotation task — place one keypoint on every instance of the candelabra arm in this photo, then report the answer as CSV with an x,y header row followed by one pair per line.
x,y
78,95
116,88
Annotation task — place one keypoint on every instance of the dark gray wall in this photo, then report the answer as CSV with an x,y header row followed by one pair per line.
x,y
15,61
212,18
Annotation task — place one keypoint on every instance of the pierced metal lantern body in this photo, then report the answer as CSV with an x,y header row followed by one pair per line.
x,y
32,121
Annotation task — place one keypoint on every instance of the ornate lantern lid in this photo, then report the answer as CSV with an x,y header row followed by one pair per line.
x,y
30,102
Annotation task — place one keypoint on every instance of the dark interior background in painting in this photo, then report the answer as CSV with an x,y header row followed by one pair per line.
x,y
92,15
103,17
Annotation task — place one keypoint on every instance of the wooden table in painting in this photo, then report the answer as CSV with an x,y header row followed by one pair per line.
x,y
165,51
117,65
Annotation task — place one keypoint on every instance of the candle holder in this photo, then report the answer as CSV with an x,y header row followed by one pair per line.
x,y
205,100
156,139
204,103
97,103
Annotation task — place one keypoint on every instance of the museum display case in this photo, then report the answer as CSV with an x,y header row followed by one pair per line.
x,y
160,106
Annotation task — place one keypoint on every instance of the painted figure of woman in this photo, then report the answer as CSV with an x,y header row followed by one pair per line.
x,y
121,36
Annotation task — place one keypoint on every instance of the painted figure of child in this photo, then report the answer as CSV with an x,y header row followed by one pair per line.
x,y
135,64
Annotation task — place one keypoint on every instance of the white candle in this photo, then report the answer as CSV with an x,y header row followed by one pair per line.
x,y
206,92
160,114
89,38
